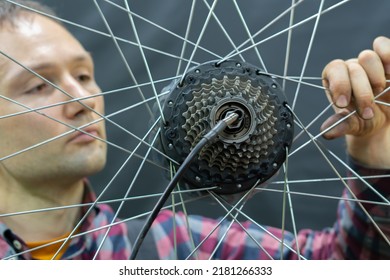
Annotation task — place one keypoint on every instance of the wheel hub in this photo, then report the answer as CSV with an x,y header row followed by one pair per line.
x,y
247,152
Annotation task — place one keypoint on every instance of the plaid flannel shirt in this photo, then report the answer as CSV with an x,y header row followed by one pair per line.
x,y
354,235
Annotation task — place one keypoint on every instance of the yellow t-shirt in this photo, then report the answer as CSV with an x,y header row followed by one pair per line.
x,y
47,252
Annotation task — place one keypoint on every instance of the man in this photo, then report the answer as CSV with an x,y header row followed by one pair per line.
x,y
60,58
53,174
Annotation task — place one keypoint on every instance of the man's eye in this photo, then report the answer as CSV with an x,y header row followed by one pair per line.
x,y
84,78
38,88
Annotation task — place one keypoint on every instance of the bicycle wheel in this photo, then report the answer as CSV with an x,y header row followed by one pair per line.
x,y
146,49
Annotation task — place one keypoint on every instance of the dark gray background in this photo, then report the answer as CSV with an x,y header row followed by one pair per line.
x,y
342,33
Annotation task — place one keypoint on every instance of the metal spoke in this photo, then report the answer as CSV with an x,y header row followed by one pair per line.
x,y
73,129
287,193
246,216
379,230
82,219
382,103
217,225
111,201
64,92
174,226
276,19
145,61
313,121
130,186
313,195
224,31
359,177
288,44
124,60
199,39
295,79
80,234
184,208
249,34
305,181
134,105
95,31
165,30
234,220
186,59
189,25
285,30
308,52
335,124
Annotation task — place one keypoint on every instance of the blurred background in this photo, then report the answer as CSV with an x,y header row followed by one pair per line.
x,y
341,33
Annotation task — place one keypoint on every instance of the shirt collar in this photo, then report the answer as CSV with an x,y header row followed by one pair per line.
x,y
14,247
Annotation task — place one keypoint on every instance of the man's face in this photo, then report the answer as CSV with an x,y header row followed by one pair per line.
x,y
48,49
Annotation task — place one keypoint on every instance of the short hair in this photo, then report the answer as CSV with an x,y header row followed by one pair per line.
x,y
10,12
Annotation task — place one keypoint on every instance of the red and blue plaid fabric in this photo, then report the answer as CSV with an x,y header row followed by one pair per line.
x,y
354,235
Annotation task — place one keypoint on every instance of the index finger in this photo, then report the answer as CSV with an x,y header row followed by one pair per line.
x,y
381,46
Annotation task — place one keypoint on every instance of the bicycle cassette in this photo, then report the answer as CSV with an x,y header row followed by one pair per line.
x,y
246,153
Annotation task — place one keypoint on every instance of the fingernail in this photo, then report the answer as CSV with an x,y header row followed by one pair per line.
x,y
342,101
368,113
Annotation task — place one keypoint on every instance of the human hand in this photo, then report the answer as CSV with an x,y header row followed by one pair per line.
x,y
359,86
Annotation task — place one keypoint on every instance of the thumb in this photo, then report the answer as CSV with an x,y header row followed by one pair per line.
x,y
349,125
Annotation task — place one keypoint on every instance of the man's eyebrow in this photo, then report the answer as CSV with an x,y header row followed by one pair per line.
x,y
36,67
77,58
83,57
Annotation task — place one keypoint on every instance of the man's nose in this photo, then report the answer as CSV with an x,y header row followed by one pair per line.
x,y
80,99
